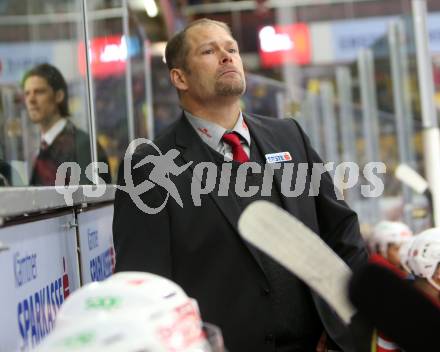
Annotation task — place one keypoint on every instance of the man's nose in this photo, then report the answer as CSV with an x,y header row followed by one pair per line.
x,y
30,98
226,57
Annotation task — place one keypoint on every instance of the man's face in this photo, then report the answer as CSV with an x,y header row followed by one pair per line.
x,y
436,275
393,254
214,66
41,100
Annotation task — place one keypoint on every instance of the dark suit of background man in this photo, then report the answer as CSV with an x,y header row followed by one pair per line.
x,y
258,305
46,98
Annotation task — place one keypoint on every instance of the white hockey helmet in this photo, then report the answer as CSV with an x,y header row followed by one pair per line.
x,y
166,331
387,232
130,311
404,253
120,293
425,255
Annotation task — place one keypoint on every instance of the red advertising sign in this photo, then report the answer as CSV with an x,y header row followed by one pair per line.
x,y
107,54
285,44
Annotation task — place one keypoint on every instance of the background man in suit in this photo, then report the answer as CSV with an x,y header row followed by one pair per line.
x,y
258,304
46,98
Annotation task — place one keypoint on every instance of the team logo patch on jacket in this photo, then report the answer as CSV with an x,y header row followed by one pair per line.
x,y
278,157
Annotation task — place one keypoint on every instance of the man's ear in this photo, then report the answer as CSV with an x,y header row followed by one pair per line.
x,y
59,96
178,79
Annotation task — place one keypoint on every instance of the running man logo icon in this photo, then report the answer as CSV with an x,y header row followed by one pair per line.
x,y
163,166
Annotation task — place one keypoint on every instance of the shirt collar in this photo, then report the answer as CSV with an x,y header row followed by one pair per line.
x,y
242,129
54,131
212,133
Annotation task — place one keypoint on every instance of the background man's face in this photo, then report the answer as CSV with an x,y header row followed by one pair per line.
x,y
393,253
41,100
214,64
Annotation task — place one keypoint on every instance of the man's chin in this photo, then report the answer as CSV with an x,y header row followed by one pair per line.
x,y
230,90
35,118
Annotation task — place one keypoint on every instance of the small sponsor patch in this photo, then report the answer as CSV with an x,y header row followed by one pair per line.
x,y
278,157
204,131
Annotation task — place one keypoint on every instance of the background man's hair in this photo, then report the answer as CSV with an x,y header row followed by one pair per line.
x,y
55,79
177,48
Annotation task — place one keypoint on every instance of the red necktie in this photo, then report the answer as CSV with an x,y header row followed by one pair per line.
x,y
238,153
45,168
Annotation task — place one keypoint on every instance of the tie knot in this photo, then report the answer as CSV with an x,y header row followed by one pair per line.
x,y
232,139
238,152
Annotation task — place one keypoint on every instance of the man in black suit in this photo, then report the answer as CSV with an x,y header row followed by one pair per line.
x,y
193,239
46,99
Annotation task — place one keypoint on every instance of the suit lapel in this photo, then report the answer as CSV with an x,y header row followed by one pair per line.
x,y
195,150
269,143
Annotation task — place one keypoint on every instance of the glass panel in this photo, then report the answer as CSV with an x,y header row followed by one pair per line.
x,y
119,66
400,120
264,96
337,33
166,104
42,102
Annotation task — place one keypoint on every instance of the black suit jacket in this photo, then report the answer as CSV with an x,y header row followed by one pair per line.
x,y
199,247
71,145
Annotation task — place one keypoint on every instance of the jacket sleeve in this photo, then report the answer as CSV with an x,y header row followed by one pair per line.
x,y
141,240
339,228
